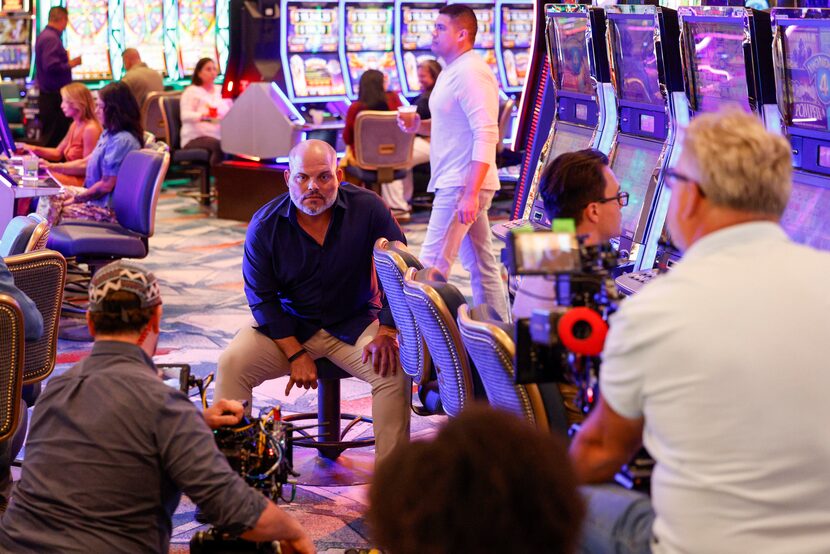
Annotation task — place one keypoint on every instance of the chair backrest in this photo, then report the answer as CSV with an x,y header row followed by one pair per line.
x,y
11,365
493,350
40,236
170,108
392,259
151,114
505,114
434,304
380,143
137,189
41,275
17,235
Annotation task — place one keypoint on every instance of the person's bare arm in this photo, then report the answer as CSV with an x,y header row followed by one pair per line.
x,y
75,167
99,189
604,443
303,368
91,135
276,524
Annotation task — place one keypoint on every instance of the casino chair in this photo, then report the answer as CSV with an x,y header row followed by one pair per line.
x,y
490,344
12,357
40,236
17,236
383,153
434,304
41,275
192,160
392,259
152,118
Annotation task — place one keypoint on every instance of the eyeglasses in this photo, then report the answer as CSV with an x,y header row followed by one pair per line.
x,y
620,197
673,175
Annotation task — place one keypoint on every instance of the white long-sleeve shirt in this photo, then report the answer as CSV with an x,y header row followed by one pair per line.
x,y
194,106
465,113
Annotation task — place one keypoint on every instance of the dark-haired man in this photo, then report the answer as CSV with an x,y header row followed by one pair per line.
x,y
53,71
111,447
580,186
464,128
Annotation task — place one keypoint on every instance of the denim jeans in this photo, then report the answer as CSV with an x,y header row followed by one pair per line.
x,y
617,521
446,239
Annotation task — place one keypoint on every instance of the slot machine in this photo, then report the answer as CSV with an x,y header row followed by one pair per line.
x,y
15,39
644,51
413,40
144,29
88,35
368,42
802,64
585,108
514,22
201,31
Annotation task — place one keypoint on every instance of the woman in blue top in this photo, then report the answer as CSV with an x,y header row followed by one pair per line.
x,y
119,114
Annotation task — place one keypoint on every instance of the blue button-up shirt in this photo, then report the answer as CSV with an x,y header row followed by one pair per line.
x,y
52,70
296,287
106,159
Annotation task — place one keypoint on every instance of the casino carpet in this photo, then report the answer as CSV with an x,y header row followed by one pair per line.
x,y
197,259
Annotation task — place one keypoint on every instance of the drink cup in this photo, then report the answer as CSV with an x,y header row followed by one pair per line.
x,y
30,167
213,112
407,115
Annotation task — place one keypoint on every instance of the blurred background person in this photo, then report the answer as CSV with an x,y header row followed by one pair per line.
x,y
202,110
428,72
141,79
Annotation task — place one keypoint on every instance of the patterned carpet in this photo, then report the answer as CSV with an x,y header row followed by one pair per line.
x,y
197,259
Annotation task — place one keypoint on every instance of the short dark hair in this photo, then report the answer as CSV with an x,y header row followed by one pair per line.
x,y
488,483
121,314
463,16
571,182
58,13
196,80
121,111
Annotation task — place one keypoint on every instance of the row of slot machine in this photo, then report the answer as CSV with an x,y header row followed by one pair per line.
x,y
171,35
626,78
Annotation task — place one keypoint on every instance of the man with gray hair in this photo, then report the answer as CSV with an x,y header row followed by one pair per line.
x,y
311,285
719,368
141,79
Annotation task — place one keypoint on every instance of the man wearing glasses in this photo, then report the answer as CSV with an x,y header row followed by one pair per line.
x,y
719,368
580,186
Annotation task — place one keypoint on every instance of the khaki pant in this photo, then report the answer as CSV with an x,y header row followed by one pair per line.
x,y
252,358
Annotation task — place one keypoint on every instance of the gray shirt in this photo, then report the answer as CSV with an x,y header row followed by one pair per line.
x,y
110,450
143,80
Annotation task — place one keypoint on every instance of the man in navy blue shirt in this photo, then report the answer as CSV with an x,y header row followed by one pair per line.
x,y
313,291
53,70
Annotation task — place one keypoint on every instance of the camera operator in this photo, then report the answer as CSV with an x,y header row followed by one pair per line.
x,y
111,447
580,186
719,367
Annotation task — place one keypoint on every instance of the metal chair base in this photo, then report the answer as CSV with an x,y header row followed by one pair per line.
x,y
351,468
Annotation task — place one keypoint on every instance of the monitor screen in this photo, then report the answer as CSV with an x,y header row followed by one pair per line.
x,y
316,75
382,61
807,75
570,51
313,28
144,31
369,28
6,138
87,35
636,60
718,70
14,5
486,34
805,218
516,34
14,30
634,164
197,33
411,61
14,57
416,27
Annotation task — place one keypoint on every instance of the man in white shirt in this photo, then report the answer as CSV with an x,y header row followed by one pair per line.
x,y
720,367
464,106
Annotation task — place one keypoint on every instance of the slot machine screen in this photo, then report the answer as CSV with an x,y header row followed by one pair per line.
x,y
369,28
14,57
805,219
486,34
416,27
144,31
516,34
316,75
13,29
384,62
14,6
313,29
807,76
636,60
87,35
634,164
197,33
718,70
573,72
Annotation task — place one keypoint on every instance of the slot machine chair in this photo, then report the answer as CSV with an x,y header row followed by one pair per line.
x,y
17,236
152,117
490,344
12,408
195,159
383,153
392,259
434,304
41,275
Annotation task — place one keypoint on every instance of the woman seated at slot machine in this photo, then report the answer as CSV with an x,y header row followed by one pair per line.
x,y
119,113
202,109
78,104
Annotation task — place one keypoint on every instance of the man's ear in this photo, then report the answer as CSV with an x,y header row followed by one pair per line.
x,y
694,202
155,321
339,175
591,213
286,175
90,324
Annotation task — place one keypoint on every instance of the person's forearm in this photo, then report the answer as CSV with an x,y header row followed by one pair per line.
x,y
75,167
425,128
99,189
475,178
48,154
593,462
288,345
273,525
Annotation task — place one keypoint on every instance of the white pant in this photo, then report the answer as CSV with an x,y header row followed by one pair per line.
x,y
446,238
252,358
398,193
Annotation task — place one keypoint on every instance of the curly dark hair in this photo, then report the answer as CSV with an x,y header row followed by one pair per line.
x,y
371,92
488,483
121,111
571,182
121,314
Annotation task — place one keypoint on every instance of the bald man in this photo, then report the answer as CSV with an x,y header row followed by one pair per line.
x,y
311,285
141,79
